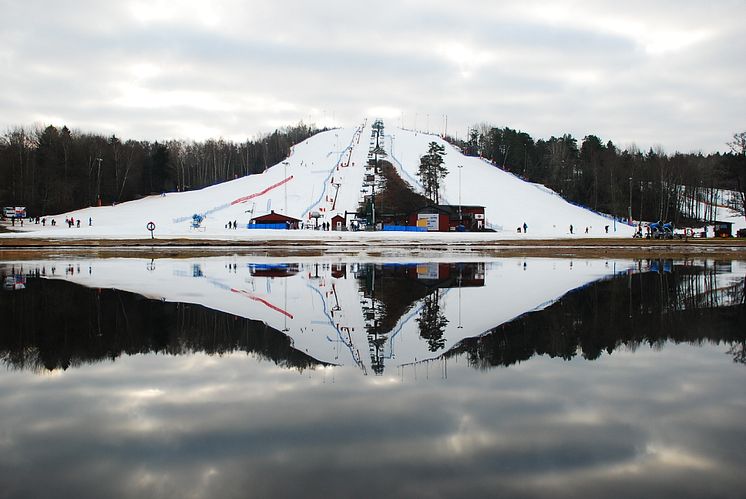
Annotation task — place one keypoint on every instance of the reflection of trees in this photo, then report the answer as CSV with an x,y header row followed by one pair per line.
x,y
738,351
56,324
684,306
432,322
390,291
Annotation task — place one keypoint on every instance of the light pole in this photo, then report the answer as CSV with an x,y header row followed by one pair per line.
x,y
98,182
630,200
285,164
460,213
460,277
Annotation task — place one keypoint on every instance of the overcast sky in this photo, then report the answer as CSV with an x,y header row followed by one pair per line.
x,y
643,72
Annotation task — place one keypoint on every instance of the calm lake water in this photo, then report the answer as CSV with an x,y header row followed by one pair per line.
x,y
258,377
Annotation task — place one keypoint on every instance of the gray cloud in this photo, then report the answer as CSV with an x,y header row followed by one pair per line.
x,y
667,73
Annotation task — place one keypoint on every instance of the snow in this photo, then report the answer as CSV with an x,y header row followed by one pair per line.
x,y
325,174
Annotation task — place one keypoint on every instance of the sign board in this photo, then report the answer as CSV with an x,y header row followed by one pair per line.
x,y
479,216
427,271
429,220
14,212
15,283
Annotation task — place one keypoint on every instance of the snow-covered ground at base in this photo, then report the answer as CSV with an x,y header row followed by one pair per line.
x,y
324,174
320,304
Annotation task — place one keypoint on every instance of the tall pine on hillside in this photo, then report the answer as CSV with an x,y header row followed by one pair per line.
x,y
432,171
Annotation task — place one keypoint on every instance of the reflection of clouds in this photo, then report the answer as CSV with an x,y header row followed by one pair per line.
x,y
626,425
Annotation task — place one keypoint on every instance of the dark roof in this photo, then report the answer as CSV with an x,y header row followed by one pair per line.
x,y
450,209
274,217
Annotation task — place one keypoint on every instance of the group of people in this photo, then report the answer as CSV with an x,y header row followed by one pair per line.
x,y
73,222
606,229
70,221
231,225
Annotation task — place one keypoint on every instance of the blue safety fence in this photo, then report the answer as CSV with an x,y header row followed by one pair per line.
x,y
267,226
404,228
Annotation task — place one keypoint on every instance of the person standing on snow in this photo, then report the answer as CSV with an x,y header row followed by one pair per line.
x,y
525,227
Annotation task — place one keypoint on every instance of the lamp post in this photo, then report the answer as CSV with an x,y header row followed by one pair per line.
x,y
460,214
630,200
460,278
98,182
285,164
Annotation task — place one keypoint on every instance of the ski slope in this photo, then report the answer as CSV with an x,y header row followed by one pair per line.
x,y
324,175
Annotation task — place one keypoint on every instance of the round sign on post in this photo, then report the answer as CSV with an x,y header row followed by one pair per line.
x,y
151,228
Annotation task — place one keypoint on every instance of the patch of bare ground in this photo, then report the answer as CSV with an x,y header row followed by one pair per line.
x,y
182,248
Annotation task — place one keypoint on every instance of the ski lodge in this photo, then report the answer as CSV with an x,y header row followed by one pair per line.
x,y
446,218
274,221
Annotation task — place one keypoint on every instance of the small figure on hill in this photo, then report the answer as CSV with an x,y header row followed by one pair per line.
x,y
43,222
570,228
606,228
586,230
525,227
90,221
78,223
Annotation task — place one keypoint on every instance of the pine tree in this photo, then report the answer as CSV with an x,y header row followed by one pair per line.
x,y
432,171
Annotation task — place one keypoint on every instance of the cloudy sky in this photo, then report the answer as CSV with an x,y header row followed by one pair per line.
x,y
651,73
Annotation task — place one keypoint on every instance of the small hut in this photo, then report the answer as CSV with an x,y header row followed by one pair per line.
x,y
338,222
723,229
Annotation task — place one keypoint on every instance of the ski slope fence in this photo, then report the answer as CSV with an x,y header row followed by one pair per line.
x,y
236,201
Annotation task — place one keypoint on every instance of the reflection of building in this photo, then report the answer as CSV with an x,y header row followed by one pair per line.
x,y
273,270
448,275
339,270
14,282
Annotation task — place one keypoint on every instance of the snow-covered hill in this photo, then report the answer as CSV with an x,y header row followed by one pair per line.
x,y
324,174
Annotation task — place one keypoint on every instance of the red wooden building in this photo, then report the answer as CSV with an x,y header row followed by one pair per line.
x,y
338,222
273,218
445,218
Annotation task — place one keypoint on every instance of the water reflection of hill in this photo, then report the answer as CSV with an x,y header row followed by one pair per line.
x,y
393,314
681,305
56,324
